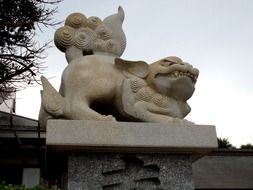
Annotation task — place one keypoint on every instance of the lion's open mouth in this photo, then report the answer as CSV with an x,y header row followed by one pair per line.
x,y
178,74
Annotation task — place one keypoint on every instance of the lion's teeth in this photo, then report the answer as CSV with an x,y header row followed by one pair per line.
x,y
177,74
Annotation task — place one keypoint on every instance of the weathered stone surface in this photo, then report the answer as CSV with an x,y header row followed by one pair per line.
x,y
105,171
130,136
131,90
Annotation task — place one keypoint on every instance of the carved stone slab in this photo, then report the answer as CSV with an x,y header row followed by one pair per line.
x,y
130,136
113,171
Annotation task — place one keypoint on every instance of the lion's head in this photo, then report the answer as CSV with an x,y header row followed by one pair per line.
x,y
173,77
169,76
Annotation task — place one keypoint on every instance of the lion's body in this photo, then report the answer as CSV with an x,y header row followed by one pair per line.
x,y
116,83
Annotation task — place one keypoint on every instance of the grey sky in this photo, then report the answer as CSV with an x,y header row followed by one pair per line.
x,y
216,36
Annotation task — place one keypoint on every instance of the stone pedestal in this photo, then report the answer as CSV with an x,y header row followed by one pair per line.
x,y
107,171
123,156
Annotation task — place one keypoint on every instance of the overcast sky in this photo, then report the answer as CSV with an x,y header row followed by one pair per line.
x,y
216,36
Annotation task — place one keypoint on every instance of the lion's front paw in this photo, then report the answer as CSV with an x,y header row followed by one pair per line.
x,y
109,118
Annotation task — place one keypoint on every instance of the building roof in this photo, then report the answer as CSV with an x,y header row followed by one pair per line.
x,y
15,129
224,169
8,119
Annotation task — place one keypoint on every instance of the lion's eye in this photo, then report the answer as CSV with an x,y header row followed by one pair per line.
x,y
164,64
167,63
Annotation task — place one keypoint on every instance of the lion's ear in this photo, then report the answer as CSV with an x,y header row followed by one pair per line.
x,y
136,68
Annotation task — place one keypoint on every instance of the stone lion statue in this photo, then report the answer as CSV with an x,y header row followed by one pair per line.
x,y
98,85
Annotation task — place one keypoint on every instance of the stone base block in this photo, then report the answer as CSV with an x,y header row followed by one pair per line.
x,y
127,155
102,136
117,171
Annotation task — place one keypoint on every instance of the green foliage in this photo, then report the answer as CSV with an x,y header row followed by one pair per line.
x,y
247,146
224,143
4,186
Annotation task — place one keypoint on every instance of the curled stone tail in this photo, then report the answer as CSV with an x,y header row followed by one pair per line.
x,y
52,102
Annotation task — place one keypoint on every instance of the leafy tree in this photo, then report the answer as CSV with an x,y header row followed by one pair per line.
x,y
224,143
20,54
247,146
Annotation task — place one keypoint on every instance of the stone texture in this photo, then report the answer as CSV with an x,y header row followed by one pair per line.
x,y
91,34
101,171
131,90
130,136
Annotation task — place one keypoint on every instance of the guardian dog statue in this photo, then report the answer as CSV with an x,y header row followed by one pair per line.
x,y
98,85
